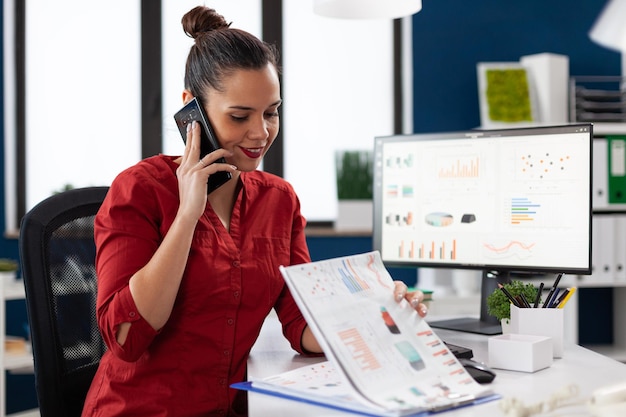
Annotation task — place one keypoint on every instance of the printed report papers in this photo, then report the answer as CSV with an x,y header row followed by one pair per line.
x,y
383,359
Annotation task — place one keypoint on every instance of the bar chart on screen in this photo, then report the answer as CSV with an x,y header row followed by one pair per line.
x,y
444,249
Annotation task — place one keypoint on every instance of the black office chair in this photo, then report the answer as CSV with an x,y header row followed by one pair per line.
x,y
57,253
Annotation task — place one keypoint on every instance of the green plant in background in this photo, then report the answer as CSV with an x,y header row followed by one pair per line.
x,y
355,172
508,95
66,187
498,304
8,265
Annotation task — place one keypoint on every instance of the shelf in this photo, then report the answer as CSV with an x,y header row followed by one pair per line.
x,y
610,209
601,129
27,413
316,231
16,362
13,290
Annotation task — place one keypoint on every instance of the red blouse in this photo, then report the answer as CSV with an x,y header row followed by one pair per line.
x,y
230,284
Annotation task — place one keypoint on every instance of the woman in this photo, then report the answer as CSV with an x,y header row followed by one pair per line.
x,y
185,279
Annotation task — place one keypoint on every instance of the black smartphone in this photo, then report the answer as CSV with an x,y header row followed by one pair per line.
x,y
208,141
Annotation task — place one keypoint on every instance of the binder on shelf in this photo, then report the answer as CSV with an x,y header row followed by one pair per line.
x,y
617,169
600,197
620,248
603,251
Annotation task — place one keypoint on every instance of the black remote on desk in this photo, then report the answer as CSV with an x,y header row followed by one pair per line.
x,y
460,351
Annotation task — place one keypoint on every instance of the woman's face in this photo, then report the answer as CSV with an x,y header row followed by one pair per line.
x,y
245,115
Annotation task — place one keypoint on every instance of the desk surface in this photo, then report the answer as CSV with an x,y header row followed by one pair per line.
x,y
589,370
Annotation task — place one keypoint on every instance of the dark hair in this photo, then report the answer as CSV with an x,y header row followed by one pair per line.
x,y
219,50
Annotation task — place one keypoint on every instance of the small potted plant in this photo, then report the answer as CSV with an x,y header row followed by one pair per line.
x,y
8,269
499,305
354,171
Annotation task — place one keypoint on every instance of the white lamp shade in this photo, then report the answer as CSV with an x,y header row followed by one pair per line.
x,y
366,9
609,30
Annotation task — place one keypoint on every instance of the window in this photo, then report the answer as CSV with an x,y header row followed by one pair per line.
x,y
338,93
83,94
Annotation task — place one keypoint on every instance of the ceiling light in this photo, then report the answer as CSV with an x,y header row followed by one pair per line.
x,y
366,9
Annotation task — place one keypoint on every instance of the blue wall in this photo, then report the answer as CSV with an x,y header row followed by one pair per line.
x,y
451,36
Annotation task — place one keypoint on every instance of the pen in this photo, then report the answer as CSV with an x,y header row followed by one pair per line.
x,y
524,300
546,303
508,295
567,297
538,297
554,298
558,301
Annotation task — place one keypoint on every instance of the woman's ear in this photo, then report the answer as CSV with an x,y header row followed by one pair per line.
x,y
187,96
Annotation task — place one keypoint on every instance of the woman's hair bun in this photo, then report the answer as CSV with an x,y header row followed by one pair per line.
x,y
202,19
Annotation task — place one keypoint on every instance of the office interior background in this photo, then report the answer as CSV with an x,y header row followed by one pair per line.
x,y
82,89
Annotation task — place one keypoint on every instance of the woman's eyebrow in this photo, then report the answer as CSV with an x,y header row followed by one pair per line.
x,y
237,107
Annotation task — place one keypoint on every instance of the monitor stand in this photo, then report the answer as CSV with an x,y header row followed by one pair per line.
x,y
486,324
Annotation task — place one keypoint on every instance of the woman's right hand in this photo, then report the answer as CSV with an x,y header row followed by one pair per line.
x,y
155,286
193,173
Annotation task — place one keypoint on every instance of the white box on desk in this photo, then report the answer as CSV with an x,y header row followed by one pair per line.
x,y
540,322
520,352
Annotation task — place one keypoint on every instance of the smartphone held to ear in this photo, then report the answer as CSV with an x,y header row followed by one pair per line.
x,y
208,141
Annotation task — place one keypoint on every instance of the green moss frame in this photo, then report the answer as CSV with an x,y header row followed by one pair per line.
x,y
507,97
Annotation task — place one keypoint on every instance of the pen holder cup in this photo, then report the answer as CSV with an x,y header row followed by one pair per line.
x,y
540,322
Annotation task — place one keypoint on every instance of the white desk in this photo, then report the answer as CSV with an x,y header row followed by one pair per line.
x,y
589,370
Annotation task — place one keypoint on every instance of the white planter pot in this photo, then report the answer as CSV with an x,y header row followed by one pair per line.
x,y
506,326
355,215
8,277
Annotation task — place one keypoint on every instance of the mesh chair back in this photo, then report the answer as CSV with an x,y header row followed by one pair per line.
x,y
57,253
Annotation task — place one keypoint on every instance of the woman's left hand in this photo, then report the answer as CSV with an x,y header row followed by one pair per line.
x,y
414,298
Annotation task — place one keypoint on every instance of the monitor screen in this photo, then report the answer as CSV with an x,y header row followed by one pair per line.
x,y
515,199
497,200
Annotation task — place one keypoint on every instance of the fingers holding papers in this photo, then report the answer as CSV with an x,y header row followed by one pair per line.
x,y
414,298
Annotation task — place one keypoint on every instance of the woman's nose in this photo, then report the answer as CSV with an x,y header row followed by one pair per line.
x,y
259,129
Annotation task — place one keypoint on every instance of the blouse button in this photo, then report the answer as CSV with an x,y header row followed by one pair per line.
x,y
226,353
230,322
236,294
222,382
131,314
236,264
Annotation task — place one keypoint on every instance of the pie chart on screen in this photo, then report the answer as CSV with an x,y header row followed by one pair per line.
x,y
439,219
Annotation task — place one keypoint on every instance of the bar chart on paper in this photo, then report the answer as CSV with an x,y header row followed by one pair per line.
x,y
360,349
341,279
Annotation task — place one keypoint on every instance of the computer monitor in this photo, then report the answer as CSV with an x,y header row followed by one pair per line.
x,y
506,201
